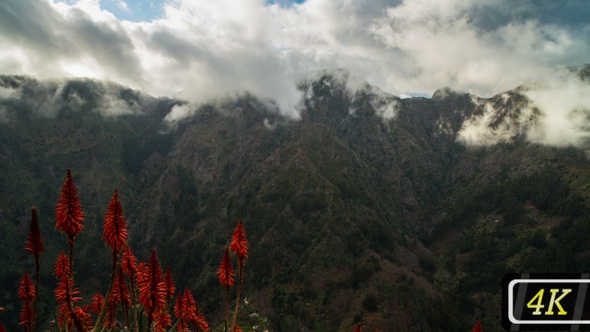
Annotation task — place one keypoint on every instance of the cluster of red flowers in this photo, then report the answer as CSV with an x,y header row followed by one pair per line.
x,y
156,289
26,293
27,290
152,289
187,312
66,295
239,246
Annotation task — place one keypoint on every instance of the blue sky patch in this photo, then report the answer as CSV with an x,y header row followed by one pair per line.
x,y
134,10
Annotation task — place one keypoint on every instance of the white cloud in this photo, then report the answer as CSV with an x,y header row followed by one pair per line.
x,y
8,92
565,103
201,50
500,119
441,46
177,113
47,98
385,106
122,5
555,112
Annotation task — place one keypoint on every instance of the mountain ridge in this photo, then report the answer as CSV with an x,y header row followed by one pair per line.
x,y
361,210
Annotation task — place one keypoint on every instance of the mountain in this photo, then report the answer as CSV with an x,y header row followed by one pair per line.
x,y
400,213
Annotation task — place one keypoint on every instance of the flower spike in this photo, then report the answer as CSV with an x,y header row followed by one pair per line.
x,y
120,292
115,226
226,271
129,262
170,287
152,289
68,212
476,327
180,313
239,243
191,306
97,303
26,289
62,266
66,292
202,324
162,321
34,243
27,316
358,328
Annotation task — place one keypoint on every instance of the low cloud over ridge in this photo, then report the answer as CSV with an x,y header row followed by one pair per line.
x,y
202,50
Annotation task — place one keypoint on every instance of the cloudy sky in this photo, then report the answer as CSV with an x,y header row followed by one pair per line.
x,y
203,49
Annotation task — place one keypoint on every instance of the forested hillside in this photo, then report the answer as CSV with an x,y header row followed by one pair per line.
x,y
370,208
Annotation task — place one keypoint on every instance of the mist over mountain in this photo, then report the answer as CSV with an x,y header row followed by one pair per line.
x,y
400,213
200,50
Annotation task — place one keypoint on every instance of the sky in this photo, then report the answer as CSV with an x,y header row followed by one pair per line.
x,y
200,50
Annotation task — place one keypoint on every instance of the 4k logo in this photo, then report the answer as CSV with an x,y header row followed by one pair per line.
x,y
537,300
547,302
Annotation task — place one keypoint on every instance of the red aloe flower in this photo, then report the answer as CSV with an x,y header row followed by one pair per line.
x,y
120,292
191,306
170,287
226,271
141,271
65,294
115,226
97,303
202,323
182,326
26,293
193,315
358,328
26,289
226,278
68,212
152,289
162,320
64,318
237,329
185,310
34,243
115,294
62,266
123,294
180,313
27,315
67,317
83,317
239,243
477,327
180,307
129,262
111,318
65,289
